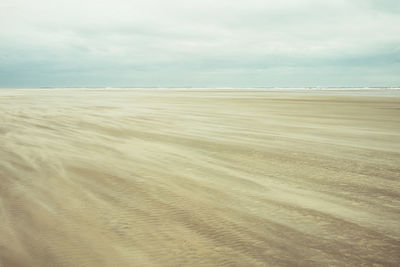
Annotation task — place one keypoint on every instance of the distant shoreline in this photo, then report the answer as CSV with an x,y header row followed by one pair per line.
x,y
326,91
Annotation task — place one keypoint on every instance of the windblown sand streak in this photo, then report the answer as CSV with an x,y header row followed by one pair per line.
x,y
186,178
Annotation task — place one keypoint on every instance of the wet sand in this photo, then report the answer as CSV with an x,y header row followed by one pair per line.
x,y
202,178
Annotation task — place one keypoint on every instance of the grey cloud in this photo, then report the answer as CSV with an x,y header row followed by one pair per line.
x,y
207,43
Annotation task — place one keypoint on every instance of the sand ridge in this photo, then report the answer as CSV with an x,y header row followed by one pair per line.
x,y
198,178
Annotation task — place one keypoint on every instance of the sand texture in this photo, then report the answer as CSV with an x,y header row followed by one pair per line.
x,y
198,178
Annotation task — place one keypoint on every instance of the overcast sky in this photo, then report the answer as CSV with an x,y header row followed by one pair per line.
x,y
199,43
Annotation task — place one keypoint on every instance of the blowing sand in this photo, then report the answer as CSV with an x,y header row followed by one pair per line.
x,y
189,178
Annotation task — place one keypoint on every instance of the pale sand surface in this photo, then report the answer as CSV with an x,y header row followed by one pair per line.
x,y
203,178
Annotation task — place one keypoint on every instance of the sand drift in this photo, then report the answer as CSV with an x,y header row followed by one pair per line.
x,y
203,177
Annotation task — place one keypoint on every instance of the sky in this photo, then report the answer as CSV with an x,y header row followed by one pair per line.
x,y
207,43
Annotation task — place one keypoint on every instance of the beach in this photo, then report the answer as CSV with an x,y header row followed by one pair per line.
x,y
146,177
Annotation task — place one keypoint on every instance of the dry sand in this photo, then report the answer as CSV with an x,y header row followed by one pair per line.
x,y
181,178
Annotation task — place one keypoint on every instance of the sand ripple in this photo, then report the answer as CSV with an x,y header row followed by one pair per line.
x,y
180,178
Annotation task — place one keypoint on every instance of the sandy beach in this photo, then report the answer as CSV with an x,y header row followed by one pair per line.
x,y
96,177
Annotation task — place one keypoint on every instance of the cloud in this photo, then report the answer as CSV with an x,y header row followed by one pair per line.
x,y
207,43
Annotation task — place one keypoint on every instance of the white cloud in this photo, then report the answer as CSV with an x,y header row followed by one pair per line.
x,y
153,37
